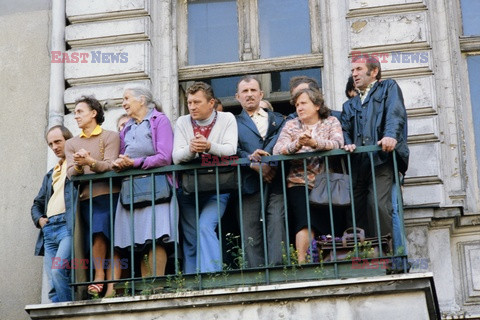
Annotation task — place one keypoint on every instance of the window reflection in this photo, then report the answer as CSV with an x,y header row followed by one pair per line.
x,y
280,80
212,32
471,18
284,27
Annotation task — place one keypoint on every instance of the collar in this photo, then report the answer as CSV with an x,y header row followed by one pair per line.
x,y
260,112
59,164
95,132
206,122
367,90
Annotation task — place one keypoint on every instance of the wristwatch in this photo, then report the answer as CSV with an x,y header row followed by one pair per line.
x,y
93,164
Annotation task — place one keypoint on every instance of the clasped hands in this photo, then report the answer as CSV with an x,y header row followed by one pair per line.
x,y
123,162
387,143
305,140
82,158
199,144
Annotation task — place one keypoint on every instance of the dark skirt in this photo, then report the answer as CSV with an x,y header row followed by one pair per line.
x,y
319,215
100,216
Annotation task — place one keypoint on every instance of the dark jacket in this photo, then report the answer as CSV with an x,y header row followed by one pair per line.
x,y
249,140
39,207
386,117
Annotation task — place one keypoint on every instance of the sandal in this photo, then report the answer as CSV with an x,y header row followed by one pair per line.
x,y
95,289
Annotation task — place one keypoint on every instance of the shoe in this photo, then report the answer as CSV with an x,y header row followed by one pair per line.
x,y
95,289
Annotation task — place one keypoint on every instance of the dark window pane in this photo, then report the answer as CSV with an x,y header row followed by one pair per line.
x,y
224,87
280,80
284,27
473,72
471,17
212,32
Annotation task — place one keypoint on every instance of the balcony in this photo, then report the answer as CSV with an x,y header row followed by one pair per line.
x,y
334,281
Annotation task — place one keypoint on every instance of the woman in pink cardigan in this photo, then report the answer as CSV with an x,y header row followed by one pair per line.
x,y
314,129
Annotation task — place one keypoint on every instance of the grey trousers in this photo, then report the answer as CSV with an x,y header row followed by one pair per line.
x,y
364,200
253,226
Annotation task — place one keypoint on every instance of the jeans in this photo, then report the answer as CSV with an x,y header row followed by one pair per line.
x,y
399,246
58,241
208,258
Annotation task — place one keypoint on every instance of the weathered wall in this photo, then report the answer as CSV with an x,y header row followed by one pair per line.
x,y
24,87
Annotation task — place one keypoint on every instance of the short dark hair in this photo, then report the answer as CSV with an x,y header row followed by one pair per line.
x,y
248,78
201,86
217,103
350,86
93,104
371,62
298,80
65,132
317,99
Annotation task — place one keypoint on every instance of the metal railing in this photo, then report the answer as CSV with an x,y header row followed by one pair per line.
x,y
234,271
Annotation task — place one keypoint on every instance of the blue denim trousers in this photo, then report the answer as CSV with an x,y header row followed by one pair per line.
x,y
57,260
399,245
209,257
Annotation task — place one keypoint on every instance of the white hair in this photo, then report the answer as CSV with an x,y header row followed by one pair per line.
x,y
141,91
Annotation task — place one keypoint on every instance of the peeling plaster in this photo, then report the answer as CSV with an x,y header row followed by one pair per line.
x,y
358,26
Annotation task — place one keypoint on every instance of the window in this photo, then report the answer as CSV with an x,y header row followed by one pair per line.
x,y
283,30
470,47
470,17
221,40
212,32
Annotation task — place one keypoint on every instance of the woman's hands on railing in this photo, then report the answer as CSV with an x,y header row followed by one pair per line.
x,y
123,162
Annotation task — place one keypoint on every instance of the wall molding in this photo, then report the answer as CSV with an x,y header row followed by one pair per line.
x,y
386,10
246,67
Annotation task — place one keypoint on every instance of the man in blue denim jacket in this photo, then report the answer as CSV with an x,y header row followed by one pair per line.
x,y
376,116
53,212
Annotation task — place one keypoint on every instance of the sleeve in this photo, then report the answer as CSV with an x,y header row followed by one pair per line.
x,y
229,138
286,142
163,146
347,126
111,145
69,151
240,152
181,150
40,202
281,122
335,136
396,115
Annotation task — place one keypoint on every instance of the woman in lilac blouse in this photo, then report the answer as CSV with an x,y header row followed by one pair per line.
x,y
146,142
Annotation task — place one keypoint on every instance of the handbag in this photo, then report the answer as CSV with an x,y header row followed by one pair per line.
x,y
345,246
227,180
339,188
142,191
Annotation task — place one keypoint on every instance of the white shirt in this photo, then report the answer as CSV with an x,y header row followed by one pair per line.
x,y
260,118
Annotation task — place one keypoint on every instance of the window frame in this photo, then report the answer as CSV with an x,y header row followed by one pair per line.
x,y
249,46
